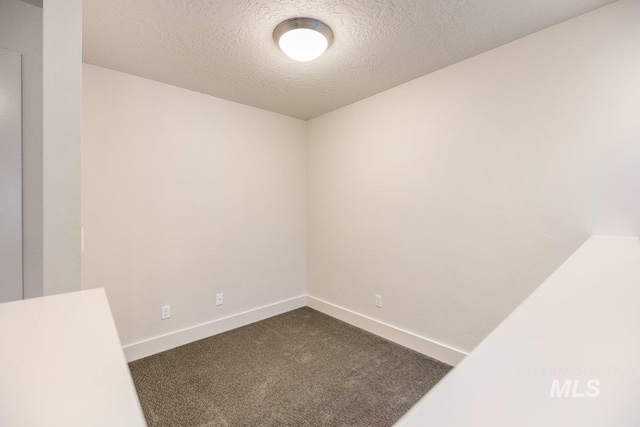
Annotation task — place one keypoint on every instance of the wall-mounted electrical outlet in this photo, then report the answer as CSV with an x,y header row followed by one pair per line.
x,y
165,312
219,299
378,300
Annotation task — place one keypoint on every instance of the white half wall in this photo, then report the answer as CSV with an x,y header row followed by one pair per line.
x,y
455,195
185,196
576,333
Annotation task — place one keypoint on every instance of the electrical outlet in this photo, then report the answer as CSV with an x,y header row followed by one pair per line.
x,y
378,301
165,312
219,299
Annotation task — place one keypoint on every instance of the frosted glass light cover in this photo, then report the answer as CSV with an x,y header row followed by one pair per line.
x,y
302,44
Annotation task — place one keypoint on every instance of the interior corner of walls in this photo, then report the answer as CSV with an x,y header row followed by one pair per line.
x,y
415,177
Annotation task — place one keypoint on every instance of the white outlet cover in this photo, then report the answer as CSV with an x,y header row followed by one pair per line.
x,y
219,299
379,301
165,312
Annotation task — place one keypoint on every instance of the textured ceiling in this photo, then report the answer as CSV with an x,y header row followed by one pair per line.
x,y
224,47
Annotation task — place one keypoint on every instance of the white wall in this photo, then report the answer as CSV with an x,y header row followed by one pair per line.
x,y
456,194
184,196
62,110
21,31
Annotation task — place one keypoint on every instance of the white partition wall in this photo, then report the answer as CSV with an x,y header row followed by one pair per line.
x,y
10,176
62,365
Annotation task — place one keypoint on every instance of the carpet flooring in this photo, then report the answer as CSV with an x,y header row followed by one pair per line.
x,y
301,368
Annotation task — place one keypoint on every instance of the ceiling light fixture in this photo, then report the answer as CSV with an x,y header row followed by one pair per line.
x,y
303,39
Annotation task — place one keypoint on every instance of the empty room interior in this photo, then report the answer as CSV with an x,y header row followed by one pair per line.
x,y
319,213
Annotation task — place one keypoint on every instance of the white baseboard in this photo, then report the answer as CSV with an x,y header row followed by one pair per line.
x,y
410,340
155,345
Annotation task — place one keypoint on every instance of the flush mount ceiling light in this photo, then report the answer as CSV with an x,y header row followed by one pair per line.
x,y
303,39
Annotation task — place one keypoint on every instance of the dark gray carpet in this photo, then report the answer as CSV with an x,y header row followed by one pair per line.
x,y
302,368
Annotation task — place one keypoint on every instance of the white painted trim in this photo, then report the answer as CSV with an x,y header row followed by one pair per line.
x,y
171,340
408,339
